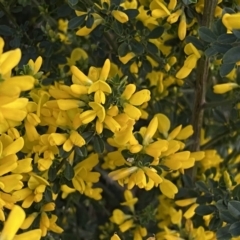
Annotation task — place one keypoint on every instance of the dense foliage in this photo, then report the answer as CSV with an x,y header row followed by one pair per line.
x,y
119,119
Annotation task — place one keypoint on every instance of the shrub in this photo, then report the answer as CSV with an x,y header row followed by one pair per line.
x,y
119,119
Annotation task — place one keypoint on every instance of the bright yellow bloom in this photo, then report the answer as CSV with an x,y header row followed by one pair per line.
x,y
231,21
120,16
224,87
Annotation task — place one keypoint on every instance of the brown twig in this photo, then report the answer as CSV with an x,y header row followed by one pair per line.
x,y
201,82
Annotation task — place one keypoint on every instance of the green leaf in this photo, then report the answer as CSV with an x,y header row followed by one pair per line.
x,y
48,194
5,30
236,33
76,22
98,144
226,38
209,52
232,55
207,35
137,47
236,192
87,136
132,13
68,171
221,47
219,28
215,223
89,21
123,49
205,209
226,68
156,32
234,208
223,233
127,154
52,173
235,229
196,42
73,2
117,27
152,48
202,186
147,66
226,216
81,151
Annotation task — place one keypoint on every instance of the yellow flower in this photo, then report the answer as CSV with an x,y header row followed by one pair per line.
x,y
224,87
122,17
182,27
168,188
84,31
100,87
115,237
83,173
231,21
13,223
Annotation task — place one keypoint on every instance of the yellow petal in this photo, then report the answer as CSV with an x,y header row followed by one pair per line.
x,y
185,133
14,147
13,223
168,188
9,60
105,70
35,234
120,16
163,123
140,97
128,91
225,87
231,21
67,104
99,110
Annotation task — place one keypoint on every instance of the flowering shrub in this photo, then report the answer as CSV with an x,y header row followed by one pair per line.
x,y
119,119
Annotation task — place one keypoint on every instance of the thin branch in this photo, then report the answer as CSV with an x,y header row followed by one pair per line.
x,y
201,82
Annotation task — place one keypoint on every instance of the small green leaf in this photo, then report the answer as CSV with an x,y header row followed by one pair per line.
x,y
205,209
234,208
52,173
223,233
87,136
232,55
5,30
196,42
236,192
137,47
89,21
123,49
221,47
236,33
117,27
202,186
207,35
152,48
226,38
48,194
156,32
209,52
81,151
215,223
98,144
76,22
227,217
68,171
226,68
235,229
132,13
219,28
